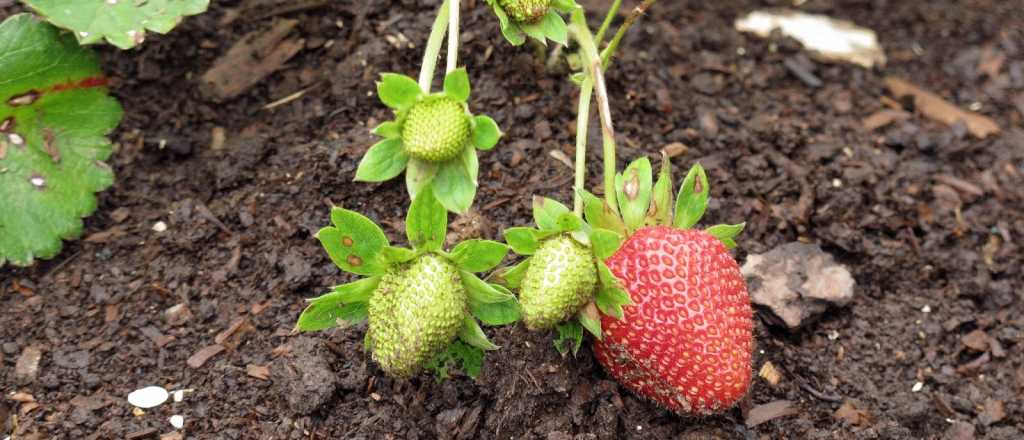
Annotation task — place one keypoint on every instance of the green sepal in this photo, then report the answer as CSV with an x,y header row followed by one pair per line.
x,y
354,243
692,199
604,242
593,325
535,31
610,301
605,275
397,255
472,334
478,255
570,337
418,175
522,240
499,313
546,212
455,182
600,215
347,303
569,222
486,133
389,130
564,6
555,28
480,292
726,233
509,29
383,161
513,276
426,223
456,85
398,91
633,191
469,360
660,212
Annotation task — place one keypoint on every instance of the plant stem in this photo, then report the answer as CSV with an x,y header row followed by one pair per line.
x,y
582,123
434,47
599,38
608,52
453,36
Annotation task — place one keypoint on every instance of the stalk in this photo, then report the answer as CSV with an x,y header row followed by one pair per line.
x,y
582,124
608,52
453,36
599,38
433,49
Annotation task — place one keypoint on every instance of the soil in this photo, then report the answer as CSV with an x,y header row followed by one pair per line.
x,y
928,219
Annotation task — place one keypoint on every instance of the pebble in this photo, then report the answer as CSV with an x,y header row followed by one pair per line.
x,y
27,367
159,227
148,397
177,421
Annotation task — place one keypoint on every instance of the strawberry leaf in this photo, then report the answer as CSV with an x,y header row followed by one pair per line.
x,y
122,22
513,276
599,214
604,242
426,223
481,292
605,275
660,212
726,233
486,133
54,116
389,130
499,313
398,91
546,212
535,31
419,174
590,320
570,337
478,255
522,240
610,301
555,28
346,303
569,222
455,183
383,161
458,355
693,198
354,243
472,334
397,255
456,85
565,6
633,190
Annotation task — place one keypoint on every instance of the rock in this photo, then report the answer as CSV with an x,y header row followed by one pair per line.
x,y
959,431
992,412
976,340
71,360
27,367
177,314
307,377
797,282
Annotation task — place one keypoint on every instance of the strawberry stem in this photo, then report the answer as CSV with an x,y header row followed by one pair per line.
x,y
453,36
614,10
582,123
608,52
433,49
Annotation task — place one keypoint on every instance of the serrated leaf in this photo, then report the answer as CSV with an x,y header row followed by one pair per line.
x,y
486,133
610,300
513,276
354,243
599,214
692,199
472,334
383,161
569,222
397,255
633,190
54,116
453,185
522,240
726,233
555,28
604,242
605,275
456,85
500,313
426,223
480,292
478,255
398,91
546,212
509,30
389,130
458,355
354,292
660,212
570,337
419,174
347,303
122,23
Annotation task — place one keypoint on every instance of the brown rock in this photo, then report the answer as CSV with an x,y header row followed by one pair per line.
x,y
853,415
27,367
976,340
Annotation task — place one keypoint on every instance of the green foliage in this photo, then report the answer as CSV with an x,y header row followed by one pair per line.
x,y
537,19
54,116
570,337
458,355
354,243
726,233
346,303
122,23
478,255
633,190
693,198
426,223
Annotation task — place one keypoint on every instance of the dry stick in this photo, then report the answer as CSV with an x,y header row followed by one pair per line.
x,y
606,54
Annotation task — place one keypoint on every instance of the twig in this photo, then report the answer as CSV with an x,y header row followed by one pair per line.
x,y
606,55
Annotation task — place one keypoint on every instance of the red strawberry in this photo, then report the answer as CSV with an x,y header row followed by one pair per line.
x,y
686,342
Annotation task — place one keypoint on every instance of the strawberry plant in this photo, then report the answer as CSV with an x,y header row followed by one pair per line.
x,y
421,304
122,23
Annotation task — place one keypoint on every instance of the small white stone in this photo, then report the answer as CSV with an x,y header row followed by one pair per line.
x,y
917,387
926,309
639,428
149,397
83,34
177,421
159,226
37,181
836,183
16,139
179,395
833,335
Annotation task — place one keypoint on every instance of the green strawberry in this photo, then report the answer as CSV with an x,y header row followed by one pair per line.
x,y
415,313
436,129
561,279
526,11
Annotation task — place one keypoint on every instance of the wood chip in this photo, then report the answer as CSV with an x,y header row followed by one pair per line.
x,y
883,118
561,157
993,411
172,436
675,149
976,340
853,415
204,354
936,108
217,138
21,397
154,335
769,411
143,434
770,373
250,60
27,367
260,372
235,333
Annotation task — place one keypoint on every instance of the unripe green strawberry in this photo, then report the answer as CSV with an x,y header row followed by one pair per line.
x,y
414,313
561,279
436,129
526,11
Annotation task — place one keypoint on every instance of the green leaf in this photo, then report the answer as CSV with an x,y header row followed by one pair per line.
x,y
397,255
454,186
546,212
500,313
426,223
726,233
486,133
467,358
564,5
472,334
513,276
478,255
591,323
54,116
354,243
389,130
610,301
570,337
555,28
523,240
693,198
418,175
347,303
456,85
509,29
569,222
534,30
604,242
599,214
123,22
660,212
605,275
481,292
383,161
398,91
633,188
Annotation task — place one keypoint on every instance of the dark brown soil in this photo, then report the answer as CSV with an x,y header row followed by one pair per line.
x,y
791,159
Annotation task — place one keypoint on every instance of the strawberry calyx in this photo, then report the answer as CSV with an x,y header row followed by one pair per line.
x,y
424,304
537,19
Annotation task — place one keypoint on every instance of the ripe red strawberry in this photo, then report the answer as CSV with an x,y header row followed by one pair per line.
x,y
686,342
